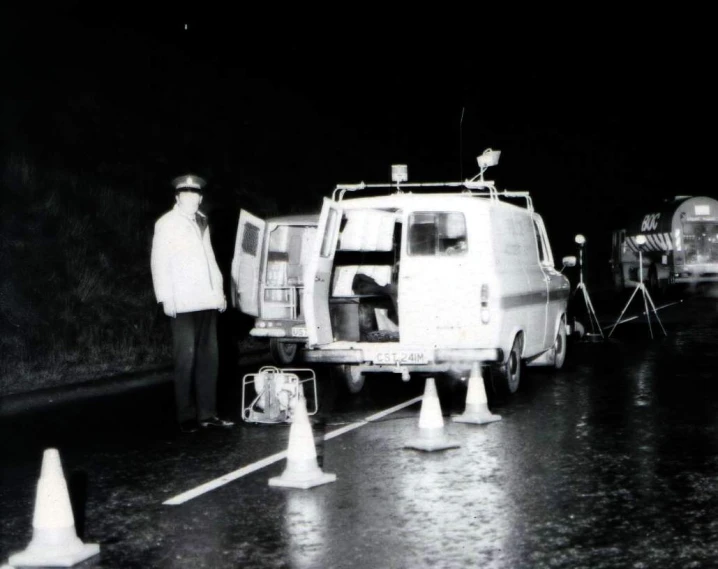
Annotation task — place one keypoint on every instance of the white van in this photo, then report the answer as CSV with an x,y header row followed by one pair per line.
x,y
408,281
268,278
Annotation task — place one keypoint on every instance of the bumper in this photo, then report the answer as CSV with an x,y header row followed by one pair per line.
x,y
695,279
384,355
290,331
268,333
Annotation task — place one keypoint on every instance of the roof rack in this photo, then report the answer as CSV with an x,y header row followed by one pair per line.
x,y
476,186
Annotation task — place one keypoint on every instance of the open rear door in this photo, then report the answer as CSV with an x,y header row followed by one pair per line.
x,y
246,263
318,275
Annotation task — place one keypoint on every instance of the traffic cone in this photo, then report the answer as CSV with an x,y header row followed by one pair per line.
x,y
302,470
431,423
476,409
54,539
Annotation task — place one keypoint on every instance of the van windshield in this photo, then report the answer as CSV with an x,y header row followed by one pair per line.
x,y
437,233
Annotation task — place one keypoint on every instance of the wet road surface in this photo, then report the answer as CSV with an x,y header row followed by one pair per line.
x,y
610,462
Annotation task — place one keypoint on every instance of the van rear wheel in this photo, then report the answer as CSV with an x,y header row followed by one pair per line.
x,y
505,377
348,378
283,353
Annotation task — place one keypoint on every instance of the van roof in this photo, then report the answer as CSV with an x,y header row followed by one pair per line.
x,y
402,193
461,200
295,219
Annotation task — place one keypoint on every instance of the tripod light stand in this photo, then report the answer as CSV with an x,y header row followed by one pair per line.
x,y
640,241
592,318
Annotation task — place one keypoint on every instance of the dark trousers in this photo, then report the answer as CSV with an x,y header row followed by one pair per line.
x,y
194,340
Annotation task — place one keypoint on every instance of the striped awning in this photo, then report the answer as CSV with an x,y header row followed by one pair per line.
x,y
654,242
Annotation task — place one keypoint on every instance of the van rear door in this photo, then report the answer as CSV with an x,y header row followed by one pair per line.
x,y
317,278
246,263
439,280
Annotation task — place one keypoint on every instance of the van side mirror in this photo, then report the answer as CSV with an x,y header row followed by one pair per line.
x,y
569,261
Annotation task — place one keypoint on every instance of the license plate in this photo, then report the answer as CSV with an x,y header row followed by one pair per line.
x,y
299,332
401,357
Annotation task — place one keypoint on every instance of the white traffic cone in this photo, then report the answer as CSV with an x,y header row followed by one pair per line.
x,y
54,539
431,423
476,409
302,470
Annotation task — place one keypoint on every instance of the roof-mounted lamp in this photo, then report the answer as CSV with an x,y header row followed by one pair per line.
x,y
399,173
487,159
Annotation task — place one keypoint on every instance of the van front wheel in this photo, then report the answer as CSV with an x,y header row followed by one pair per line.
x,y
505,377
559,346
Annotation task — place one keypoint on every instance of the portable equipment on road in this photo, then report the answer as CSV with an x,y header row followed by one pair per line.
x,y
276,392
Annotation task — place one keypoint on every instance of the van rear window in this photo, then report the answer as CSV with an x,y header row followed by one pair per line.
x,y
437,233
250,239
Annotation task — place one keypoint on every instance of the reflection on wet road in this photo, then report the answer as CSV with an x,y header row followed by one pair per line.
x,y
610,462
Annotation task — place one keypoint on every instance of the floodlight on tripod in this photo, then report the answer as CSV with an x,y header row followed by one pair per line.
x,y
640,241
592,318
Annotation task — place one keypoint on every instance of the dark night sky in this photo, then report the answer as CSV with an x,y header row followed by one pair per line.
x,y
592,110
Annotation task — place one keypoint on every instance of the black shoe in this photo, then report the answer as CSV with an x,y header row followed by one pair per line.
x,y
216,422
189,427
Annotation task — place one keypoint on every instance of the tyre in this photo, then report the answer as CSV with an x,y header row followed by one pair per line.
x,y
619,279
672,289
560,346
505,377
653,283
347,378
283,353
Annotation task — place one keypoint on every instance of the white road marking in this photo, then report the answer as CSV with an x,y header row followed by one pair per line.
x,y
227,478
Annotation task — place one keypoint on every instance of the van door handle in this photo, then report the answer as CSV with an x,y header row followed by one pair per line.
x,y
318,279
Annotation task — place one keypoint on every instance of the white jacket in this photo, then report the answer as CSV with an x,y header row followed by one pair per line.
x,y
183,264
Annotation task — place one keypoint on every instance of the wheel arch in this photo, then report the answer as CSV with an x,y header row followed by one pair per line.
x,y
516,332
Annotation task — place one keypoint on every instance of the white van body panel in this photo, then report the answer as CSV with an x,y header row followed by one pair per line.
x,y
452,308
509,280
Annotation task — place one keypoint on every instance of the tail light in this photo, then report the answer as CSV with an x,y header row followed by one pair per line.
x,y
485,304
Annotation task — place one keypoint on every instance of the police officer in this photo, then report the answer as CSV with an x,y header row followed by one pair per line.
x,y
188,283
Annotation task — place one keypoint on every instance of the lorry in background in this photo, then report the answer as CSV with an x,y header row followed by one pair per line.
x,y
681,245
268,278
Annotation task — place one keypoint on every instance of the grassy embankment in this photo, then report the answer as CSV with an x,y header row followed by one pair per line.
x,y
76,299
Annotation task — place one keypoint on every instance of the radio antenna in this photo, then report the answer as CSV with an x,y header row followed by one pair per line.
x,y
461,144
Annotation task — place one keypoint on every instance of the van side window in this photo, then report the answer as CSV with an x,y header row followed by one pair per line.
x,y
437,233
